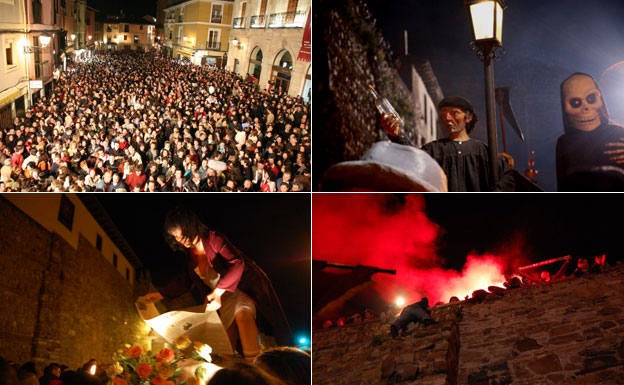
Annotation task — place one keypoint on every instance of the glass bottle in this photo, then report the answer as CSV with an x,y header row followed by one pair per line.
x,y
384,106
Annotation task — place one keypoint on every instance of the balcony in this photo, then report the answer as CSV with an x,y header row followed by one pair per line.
x,y
216,18
257,21
238,22
213,45
287,20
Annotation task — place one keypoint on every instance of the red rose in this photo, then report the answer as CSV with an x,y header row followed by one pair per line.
x,y
133,352
119,381
156,380
165,355
144,369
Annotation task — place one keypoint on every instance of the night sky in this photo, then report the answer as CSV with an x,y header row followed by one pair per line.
x,y
272,229
544,42
137,8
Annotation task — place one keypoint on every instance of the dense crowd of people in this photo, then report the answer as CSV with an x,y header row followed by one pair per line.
x,y
284,365
138,121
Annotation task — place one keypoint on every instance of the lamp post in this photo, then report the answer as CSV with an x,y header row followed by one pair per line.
x,y
486,17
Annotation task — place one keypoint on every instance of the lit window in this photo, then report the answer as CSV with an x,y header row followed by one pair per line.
x,y
9,54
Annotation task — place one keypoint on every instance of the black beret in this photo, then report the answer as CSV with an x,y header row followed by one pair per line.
x,y
456,101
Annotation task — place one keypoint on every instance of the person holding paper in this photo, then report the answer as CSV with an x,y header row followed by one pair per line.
x,y
233,283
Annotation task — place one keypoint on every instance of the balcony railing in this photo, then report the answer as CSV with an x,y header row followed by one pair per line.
x,y
209,45
287,20
257,21
213,45
238,22
216,18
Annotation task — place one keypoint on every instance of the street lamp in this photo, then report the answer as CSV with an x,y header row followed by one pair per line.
x,y
486,17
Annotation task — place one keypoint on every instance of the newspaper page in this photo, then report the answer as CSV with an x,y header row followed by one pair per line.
x,y
194,322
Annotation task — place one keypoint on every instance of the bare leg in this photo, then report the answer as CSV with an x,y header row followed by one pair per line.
x,y
248,332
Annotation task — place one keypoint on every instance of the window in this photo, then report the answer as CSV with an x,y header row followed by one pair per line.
x,y
36,9
127,28
9,54
115,259
217,13
66,212
125,37
214,40
98,242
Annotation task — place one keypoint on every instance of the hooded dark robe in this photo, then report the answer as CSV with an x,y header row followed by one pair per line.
x,y
590,157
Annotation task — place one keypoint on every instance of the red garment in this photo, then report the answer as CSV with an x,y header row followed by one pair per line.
x,y
224,258
134,179
17,159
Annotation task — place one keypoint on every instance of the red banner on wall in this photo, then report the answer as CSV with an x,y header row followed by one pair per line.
x,y
306,42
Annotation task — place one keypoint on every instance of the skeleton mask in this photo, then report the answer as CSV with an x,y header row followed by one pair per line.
x,y
583,107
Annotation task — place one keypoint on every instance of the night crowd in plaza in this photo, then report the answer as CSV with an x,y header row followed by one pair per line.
x,y
138,121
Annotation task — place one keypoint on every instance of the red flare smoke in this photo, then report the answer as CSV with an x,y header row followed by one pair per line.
x,y
385,231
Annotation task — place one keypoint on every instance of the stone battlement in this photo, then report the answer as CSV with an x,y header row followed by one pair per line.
x,y
569,332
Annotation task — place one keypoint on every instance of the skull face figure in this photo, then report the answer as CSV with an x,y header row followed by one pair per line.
x,y
583,107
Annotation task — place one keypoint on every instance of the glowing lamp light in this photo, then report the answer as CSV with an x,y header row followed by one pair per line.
x,y
486,17
73,36
44,40
487,21
92,369
303,340
235,42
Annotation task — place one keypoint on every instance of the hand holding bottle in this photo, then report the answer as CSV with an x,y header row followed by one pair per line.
x,y
391,121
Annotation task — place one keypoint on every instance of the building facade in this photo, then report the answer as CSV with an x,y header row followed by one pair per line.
x,y
266,43
13,65
68,276
198,30
37,37
125,33
419,78
40,47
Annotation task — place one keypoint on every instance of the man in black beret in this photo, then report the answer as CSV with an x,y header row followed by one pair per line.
x,y
464,159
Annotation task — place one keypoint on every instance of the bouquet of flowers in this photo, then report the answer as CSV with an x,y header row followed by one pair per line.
x,y
135,366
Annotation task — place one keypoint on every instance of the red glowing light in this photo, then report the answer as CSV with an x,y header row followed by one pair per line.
x,y
377,230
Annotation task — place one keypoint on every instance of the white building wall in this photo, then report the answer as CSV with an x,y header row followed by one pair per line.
x,y
426,111
13,77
